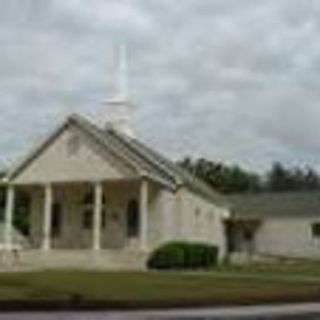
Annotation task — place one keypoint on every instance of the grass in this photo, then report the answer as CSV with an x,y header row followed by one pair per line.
x,y
226,285
295,269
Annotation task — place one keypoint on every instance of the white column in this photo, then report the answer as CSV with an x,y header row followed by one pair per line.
x,y
144,214
9,217
46,241
98,195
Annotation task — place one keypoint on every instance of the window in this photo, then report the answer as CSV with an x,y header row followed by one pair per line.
x,y
315,230
87,219
248,235
103,217
133,219
56,221
2,203
88,210
88,204
197,221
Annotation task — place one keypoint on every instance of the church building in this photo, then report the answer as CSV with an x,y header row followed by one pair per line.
x,y
100,198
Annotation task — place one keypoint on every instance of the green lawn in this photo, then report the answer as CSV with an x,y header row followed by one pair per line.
x,y
294,269
228,285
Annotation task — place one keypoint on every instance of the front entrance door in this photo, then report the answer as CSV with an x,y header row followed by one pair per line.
x,y
56,221
114,235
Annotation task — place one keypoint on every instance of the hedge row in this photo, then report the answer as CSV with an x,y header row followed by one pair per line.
x,y
183,256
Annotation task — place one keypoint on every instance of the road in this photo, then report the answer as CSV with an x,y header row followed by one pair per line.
x,y
310,311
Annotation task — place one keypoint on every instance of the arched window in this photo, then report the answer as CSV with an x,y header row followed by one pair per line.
x,y
88,204
133,219
56,220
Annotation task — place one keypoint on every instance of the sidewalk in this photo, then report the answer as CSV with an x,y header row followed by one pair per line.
x,y
303,311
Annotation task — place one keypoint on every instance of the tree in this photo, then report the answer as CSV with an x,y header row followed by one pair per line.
x,y
21,217
235,179
312,180
278,178
223,178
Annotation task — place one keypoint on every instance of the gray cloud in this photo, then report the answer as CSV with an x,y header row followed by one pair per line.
x,y
235,80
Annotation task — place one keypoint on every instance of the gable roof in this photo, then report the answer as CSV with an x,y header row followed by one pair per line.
x,y
276,204
136,154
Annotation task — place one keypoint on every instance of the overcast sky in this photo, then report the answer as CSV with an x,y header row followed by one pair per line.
x,y
232,80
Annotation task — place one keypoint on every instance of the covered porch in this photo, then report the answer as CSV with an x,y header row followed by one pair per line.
x,y
83,216
240,235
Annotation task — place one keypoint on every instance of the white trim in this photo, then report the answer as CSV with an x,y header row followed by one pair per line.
x,y
47,217
37,146
144,208
9,217
97,218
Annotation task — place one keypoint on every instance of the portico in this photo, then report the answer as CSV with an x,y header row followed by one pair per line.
x,y
93,215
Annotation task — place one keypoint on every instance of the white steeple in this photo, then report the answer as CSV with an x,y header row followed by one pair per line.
x,y
119,105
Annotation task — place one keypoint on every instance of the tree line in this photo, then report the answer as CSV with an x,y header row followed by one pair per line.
x,y
235,179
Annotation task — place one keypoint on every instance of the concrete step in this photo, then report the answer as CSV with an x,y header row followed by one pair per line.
x,y
72,259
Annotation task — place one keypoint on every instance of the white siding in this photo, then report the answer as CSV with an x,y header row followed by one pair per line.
x,y
180,222
203,221
59,163
288,237
161,220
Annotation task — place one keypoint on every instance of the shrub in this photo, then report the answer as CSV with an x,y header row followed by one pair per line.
x,y
183,256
